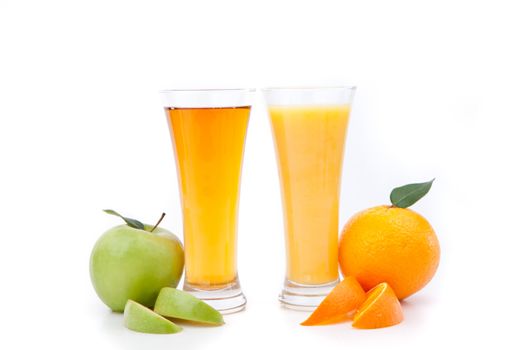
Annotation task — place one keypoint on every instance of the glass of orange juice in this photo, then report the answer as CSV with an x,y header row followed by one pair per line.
x,y
309,130
208,130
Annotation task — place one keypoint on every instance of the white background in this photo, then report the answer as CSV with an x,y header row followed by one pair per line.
x,y
440,94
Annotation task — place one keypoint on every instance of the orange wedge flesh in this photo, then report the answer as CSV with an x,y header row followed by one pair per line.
x,y
380,309
344,298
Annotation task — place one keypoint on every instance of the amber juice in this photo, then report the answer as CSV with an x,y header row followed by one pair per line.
x,y
208,144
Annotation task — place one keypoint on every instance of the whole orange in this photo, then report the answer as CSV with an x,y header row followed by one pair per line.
x,y
389,244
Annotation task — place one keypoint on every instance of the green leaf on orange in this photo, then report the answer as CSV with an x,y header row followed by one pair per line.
x,y
405,196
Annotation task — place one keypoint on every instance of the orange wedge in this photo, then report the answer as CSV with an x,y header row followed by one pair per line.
x,y
344,298
380,309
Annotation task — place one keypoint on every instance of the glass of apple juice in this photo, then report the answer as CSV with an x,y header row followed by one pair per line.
x,y
208,130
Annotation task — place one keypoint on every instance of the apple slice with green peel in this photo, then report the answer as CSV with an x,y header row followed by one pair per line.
x,y
175,303
139,318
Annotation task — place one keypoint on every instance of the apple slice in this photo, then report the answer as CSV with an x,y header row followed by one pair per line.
x,y
175,303
141,319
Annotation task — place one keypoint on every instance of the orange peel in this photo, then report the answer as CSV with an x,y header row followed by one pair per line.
x,y
344,298
380,309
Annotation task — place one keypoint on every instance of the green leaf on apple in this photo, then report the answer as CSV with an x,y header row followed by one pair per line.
x,y
131,222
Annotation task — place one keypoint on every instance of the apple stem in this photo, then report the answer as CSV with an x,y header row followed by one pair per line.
x,y
158,222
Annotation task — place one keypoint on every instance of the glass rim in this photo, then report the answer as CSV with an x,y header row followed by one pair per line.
x,y
309,95
308,88
167,91
207,98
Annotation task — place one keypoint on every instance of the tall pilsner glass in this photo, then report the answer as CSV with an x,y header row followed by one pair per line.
x,y
208,129
309,130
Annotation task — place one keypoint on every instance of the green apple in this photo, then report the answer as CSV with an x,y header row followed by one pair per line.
x,y
139,318
175,303
135,261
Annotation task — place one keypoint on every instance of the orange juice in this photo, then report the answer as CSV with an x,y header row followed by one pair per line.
x,y
310,143
209,146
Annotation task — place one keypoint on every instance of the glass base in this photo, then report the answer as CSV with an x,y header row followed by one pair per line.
x,y
225,298
304,297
